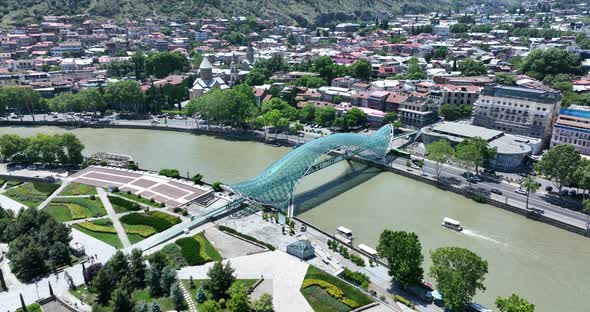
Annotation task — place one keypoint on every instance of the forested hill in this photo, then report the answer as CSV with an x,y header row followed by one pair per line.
x,y
302,11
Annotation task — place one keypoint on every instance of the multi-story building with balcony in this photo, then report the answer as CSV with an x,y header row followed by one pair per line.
x,y
517,110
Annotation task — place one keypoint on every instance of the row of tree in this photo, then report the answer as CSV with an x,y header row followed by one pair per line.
x,y
58,148
472,153
37,243
458,272
157,64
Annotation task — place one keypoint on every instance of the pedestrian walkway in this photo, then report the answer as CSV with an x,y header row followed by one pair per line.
x,y
46,202
189,299
111,213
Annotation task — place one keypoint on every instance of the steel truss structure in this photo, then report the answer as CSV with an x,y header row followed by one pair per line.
x,y
275,186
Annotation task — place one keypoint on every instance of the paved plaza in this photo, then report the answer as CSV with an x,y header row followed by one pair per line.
x,y
172,192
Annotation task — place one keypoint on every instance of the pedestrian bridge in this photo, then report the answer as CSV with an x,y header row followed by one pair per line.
x,y
275,186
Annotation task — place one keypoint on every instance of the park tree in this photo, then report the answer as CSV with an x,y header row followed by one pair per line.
x,y
453,112
103,286
125,96
153,281
137,269
177,296
162,64
514,303
353,118
559,165
168,279
29,262
238,302
138,60
11,145
155,307
71,149
390,118
3,286
403,252
210,306
21,100
201,296
361,69
458,273
221,277
263,303
474,152
529,185
471,67
553,61
505,79
306,114
59,254
440,152
310,82
122,300
325,116
257,76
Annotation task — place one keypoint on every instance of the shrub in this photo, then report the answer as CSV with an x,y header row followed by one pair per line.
x,y
126,204
247,237
403,300
132,166
171,173
479,198
197,178
140,229
357,278
350,303
177,209
92,197
116,189
217,186
97,228
328,287
357,260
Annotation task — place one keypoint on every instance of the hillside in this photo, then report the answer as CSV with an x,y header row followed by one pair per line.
x,y
302,11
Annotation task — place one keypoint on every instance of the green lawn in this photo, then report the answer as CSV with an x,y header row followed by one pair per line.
x,y
75,208
109,238
158,220
318,297
31,194
78,189
197,250
141,200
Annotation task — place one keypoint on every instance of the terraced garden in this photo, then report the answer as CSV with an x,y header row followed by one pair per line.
x,y
101,229
31,194
123,205
75,208
325,292
78,189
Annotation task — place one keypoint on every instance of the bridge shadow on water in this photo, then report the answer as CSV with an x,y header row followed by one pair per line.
x,y
354,175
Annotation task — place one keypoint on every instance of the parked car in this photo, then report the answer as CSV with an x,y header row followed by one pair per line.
x,y
549,189
563,193
520,191
572,193
496,191
414,166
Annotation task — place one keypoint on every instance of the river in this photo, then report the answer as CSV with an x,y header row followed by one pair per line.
x,y
547,265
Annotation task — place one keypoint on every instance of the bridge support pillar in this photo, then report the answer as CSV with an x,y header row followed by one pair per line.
x,y
291,208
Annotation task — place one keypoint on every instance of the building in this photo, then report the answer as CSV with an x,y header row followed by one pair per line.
x,y
516,110
573,127
418,111
301,249
460,95
206,81
512,151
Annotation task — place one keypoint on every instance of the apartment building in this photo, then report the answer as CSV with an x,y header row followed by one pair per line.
x,y
517,110
573,127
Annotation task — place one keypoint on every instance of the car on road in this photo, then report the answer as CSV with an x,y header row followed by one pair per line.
x,y
496,191
520,191
549,189
537,210
414,166
572,193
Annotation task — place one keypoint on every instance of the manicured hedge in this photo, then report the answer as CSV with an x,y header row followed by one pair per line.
x,y
332,290
350,291
140,229
158,220
172,173
247,237
97,228
356,278
123,203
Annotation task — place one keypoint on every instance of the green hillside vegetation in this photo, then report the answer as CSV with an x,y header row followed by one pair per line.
x,y
303,12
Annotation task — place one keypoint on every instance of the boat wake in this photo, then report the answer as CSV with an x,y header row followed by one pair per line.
x,y
489,239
